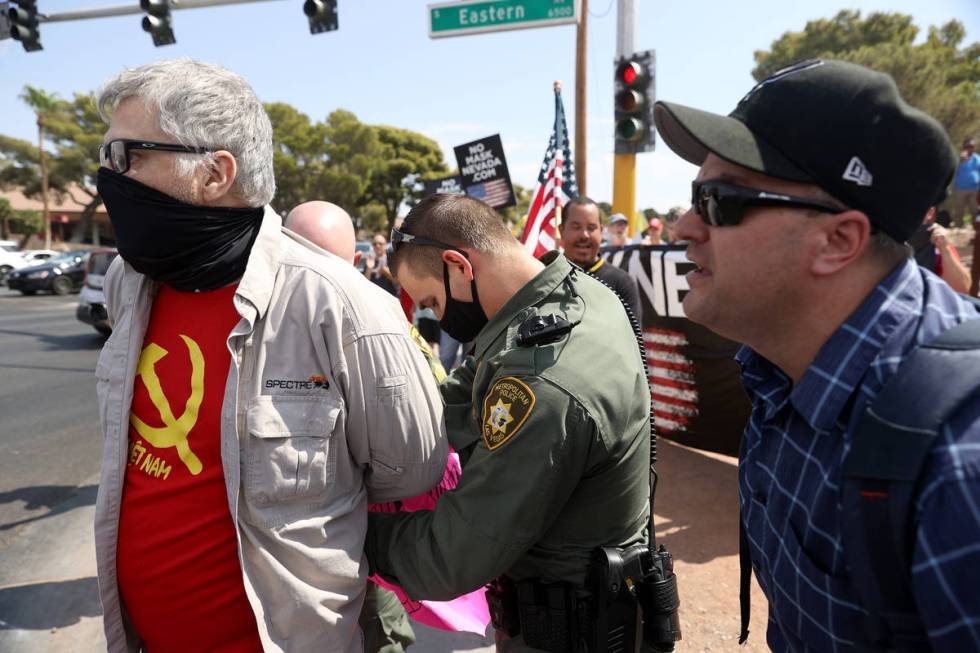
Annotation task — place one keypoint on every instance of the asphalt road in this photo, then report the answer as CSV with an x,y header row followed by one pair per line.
x,y
50,443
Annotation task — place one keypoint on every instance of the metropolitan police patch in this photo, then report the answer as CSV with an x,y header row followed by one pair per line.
x,y
505,409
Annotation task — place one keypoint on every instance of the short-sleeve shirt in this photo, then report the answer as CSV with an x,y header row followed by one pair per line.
x,y
968,173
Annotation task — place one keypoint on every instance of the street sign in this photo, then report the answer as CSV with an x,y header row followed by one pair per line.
x,y
474,17
483,169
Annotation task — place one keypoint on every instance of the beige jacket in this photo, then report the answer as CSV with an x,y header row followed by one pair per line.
x,y
301,462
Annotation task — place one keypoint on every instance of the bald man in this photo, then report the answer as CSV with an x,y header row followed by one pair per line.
x,y
327,226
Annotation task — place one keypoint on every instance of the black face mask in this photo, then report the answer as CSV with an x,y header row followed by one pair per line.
x,y
187,247
462,320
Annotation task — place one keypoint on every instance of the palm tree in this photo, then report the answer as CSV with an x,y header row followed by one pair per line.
x,y
44,105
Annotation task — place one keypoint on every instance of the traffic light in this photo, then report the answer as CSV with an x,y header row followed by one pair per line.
x,y
157,21
634,89
322,15
23,24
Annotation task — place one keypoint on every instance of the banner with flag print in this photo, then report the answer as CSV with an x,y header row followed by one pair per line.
x,y
556,186
697,395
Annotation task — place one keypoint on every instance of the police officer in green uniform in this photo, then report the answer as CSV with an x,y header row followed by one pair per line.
x,y
550,415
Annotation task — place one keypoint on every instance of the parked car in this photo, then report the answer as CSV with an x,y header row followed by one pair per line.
x,y
59,275
91,300
12,259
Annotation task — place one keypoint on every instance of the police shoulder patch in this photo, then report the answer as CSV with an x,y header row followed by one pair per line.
x,y
505,409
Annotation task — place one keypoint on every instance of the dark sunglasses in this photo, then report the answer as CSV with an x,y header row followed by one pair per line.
x,y
399,238
115,154
721,204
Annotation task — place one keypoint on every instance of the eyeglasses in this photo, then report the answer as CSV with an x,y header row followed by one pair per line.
x,y
399,238
723,205
115,154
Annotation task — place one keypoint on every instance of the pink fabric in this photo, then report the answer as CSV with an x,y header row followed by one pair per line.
x,y
466,613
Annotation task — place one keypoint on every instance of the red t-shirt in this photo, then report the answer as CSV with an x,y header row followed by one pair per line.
x,y
178,568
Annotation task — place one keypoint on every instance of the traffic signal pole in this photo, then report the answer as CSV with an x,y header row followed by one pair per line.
x,y
581,67
128,9
624,165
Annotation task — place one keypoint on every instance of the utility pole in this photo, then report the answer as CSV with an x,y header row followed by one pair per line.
x,y
581,59
44,180
624,165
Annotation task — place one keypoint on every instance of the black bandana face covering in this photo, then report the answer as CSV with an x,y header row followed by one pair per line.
x,y
187,247
462,320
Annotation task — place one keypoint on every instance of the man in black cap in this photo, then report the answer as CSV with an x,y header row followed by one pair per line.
x,y
805,198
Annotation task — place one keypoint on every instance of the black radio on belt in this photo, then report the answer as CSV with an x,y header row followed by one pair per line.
x,y
543,330
635,594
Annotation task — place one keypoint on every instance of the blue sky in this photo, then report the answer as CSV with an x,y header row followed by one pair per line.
x,y
382,66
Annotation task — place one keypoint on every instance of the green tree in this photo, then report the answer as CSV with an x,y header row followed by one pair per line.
x,y
515,217
369,170
43,104
406,158
299,152
75,129
6,213
941,76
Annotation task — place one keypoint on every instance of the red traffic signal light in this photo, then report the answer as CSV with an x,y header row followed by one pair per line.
x,y
629,71
633,102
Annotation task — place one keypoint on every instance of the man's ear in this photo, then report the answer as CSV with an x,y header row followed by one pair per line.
x,y
453,258
842,240
221,177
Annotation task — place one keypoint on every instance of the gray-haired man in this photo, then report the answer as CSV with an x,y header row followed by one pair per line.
x,y
254,394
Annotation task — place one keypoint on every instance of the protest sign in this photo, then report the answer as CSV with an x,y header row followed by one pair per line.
x,y
483,169
452,185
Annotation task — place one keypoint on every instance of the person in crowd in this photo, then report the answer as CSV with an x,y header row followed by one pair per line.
x,y
670,223
327,226
555,461
934,252
654,232
376,265
452,352
581,235
254,395
806,195
617,231
966,184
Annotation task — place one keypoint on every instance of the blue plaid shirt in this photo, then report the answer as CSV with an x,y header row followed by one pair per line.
x,y
790,465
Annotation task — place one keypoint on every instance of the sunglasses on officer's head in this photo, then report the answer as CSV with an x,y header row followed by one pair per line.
x,y
721,204
399,238
115,154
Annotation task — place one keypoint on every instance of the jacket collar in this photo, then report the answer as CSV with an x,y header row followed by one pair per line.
x,y
532,293
257,283
826,387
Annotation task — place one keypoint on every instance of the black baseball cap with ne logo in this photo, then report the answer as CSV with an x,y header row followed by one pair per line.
x,y
834,124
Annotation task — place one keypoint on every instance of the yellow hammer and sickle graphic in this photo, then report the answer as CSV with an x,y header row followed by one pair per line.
x,y
175,430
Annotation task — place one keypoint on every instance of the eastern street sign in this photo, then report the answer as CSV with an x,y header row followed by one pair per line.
x,y
469,17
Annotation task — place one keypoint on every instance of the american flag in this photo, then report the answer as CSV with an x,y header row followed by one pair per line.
x,y
495,193
674,391
556,185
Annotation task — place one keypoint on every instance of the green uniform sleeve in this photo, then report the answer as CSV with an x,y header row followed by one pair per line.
x,y
457,394
457,387
533,449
